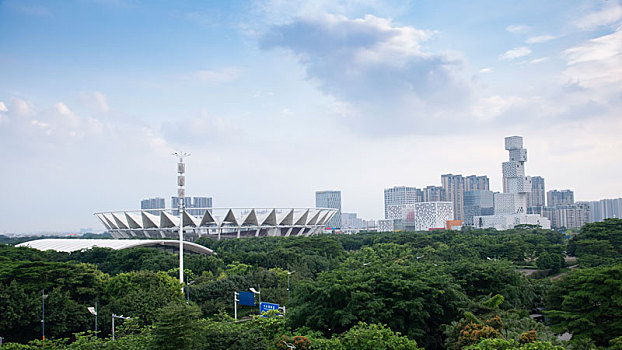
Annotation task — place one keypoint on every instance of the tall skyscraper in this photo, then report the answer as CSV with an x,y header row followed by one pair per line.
x,y
330,199
538,194
536,198
514,180
511,205
563,197
475,183
454,192
434,194
153,203
568,216
605,209
476,203
399,196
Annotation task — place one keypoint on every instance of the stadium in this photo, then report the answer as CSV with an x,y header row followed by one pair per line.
x,y
217,222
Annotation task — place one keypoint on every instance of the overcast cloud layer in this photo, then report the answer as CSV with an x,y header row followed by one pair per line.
x,y
276,100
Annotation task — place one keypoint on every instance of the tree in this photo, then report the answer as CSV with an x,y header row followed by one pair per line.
x,y
414,299
502,344
588,303
139,294
177,327
365,336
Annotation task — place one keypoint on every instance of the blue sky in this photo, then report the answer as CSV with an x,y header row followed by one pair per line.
x,y
277,99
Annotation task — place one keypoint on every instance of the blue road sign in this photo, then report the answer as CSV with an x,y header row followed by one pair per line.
x,y
247,298
265,307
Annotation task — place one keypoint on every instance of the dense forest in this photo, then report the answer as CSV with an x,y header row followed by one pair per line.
x,y
473,289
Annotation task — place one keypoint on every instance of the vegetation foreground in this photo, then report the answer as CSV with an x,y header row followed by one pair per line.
x,y
432,290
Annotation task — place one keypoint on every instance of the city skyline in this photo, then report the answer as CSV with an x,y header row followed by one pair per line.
x,y
276,100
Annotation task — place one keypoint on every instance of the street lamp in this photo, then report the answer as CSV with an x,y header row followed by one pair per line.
x,y
188,283
93,311
288,273
43,297
117,316
256,292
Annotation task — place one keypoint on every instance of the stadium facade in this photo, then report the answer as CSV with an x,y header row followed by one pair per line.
x,y
217,222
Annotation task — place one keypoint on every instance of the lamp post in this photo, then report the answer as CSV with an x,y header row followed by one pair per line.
x,y
43,297
188,283
288,273
93,311
117,316
181,183
258,292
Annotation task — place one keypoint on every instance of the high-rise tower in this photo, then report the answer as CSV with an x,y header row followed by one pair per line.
x,y
516,186
330,199
511,205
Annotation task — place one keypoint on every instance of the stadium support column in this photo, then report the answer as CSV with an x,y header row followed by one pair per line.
x,y
181,183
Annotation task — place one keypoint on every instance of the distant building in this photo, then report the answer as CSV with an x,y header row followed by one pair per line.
x,y
400,195
605,209
352,221
200,202
425,216
477,203
511,205
191,205
476,183
434,194
396,212
455,186
153,203
538,194
568,216
454,192
386,225
555,198
432,215
330,199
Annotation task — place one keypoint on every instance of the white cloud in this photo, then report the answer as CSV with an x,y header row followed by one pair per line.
x,y
539,60
610,13
540,39
284,11
486,70
488,108
63,109
21,107
96,101
378,67
597,64
515,53
3,107
200,130
517,28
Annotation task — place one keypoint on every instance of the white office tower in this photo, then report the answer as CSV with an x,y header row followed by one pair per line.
x,y
511,205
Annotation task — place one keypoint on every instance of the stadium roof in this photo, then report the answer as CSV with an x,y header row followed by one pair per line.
x,y
72,245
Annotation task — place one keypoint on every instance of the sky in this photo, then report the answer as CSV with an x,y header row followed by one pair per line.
x,y
277,99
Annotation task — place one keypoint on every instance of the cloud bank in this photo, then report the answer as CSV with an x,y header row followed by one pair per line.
x,y
381,70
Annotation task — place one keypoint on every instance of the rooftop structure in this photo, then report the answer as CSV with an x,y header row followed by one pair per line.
x,y
72,245
218,222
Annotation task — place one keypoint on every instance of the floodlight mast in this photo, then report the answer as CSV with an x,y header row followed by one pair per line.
x,y
181,183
